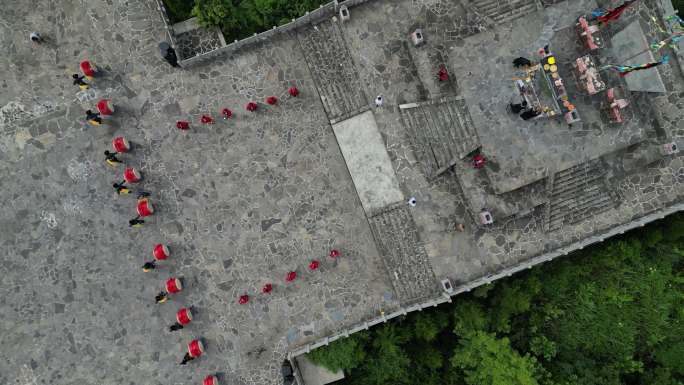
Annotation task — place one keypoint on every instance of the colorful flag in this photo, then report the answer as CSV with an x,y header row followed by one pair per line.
x,y
624,70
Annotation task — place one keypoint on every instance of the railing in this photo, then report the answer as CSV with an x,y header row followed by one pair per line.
x,y
579,245
324,12
167,23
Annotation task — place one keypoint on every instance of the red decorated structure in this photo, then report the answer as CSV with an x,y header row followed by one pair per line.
x,y
272,100
160,252
174,285
267,288
88,69
195,348
182,125
120,144
210,380
479,161
443,74
131,175
205,119
184,316
291,276
105,107
251,106
144,207
293,91
243,299
314,265
227,114
334,253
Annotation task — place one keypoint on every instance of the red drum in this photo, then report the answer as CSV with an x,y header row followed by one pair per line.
x,y
210,380
334,253
272,100
314,265
267,288
174,285
120,144
160,252
184,316
131,175
195,348
105,107
293,91
243,299
291,276
88,69
145,208
251,106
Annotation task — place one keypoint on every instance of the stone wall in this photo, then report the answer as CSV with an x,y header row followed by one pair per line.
x,y
324,12
166,22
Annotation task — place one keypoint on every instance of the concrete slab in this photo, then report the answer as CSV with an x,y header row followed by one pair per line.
x,y
313,374
630,48
368,162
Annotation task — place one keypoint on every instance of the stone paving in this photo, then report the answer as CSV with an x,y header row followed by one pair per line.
x,y
243,201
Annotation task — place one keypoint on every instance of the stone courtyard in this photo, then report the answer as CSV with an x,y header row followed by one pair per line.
x,y
245,200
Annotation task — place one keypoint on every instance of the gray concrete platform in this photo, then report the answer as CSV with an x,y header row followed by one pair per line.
x,y
367,161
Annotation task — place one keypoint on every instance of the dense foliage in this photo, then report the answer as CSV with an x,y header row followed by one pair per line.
x,y
612,314
240,18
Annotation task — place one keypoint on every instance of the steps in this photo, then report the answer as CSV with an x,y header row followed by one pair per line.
x,y
403,254
441,131
503,11
332,69
577,193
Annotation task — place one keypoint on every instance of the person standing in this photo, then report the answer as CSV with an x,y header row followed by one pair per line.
x,y
161,297
78,80
187,358
111,159
36,38
136,222
121,188
169,54
93,118
149,266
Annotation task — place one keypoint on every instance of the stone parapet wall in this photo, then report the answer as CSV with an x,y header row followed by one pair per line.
x,y
324,12
167,22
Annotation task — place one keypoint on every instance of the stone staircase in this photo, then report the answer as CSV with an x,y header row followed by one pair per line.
x,y
441,131
502,11
576,194
333,71
403,254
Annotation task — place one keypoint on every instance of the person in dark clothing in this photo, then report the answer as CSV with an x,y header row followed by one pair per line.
x,y
93,117
168,53
148,266
175,326
121,188
531,113
516,108
78,81
187,358
161,297
521,62
111,159
136,222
